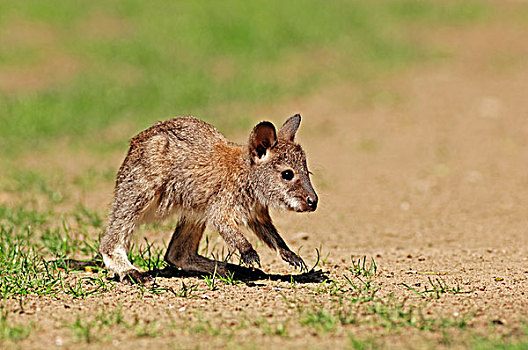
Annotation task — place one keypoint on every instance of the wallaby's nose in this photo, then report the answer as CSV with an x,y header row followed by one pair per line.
x,y
312,202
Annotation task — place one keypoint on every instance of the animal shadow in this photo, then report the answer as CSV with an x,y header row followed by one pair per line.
x,y
245,274
240,273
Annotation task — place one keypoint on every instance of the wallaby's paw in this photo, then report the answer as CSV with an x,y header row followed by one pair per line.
x,y
250,258
293,259
136,277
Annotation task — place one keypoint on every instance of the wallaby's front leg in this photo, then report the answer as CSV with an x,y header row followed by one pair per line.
x,y
228,229
266,231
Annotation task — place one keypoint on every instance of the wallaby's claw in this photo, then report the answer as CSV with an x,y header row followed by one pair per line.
x,y
136,277
303,267
294,260
250,257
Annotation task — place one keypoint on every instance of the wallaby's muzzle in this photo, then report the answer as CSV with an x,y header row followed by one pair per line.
x,y
312,202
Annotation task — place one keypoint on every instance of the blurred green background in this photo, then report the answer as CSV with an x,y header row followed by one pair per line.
x,y
90,74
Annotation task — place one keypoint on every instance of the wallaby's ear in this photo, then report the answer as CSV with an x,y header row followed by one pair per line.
x,y
262,138
289,128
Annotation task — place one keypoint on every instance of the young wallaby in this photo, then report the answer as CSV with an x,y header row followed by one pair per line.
x,y
185,166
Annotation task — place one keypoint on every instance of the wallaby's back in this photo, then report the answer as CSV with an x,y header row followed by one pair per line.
x,y
184,160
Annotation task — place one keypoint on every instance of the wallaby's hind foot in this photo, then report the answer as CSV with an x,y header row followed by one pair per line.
x,y
135,277
116,260
198,263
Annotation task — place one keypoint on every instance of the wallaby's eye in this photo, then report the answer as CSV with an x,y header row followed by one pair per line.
x,y
287,175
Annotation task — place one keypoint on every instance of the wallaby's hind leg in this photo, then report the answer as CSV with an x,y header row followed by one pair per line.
x,y
183,249
184,242
115,243
114,251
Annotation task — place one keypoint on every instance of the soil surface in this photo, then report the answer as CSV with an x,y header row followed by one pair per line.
x,y
426,174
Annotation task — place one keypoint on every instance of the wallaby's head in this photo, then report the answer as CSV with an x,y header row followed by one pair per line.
x,y
279,167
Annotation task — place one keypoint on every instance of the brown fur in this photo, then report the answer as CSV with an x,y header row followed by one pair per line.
x,y
185,166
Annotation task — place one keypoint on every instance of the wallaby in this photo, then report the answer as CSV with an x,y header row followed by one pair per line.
x,y
185,166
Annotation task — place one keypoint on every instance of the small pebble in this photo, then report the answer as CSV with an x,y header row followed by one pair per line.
x,y
59,341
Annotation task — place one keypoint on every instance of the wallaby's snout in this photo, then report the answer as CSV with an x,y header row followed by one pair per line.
x,y
311,200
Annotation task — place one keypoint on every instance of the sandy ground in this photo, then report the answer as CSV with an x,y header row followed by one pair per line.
x,y
426,174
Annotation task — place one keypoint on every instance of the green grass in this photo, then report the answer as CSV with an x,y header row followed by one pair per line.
x,y
10,330
499,344
95,329
422,11
354,301
33,246
26,237
436,288
152,60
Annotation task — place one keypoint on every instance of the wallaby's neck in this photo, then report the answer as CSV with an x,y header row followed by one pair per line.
x,y
246,179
